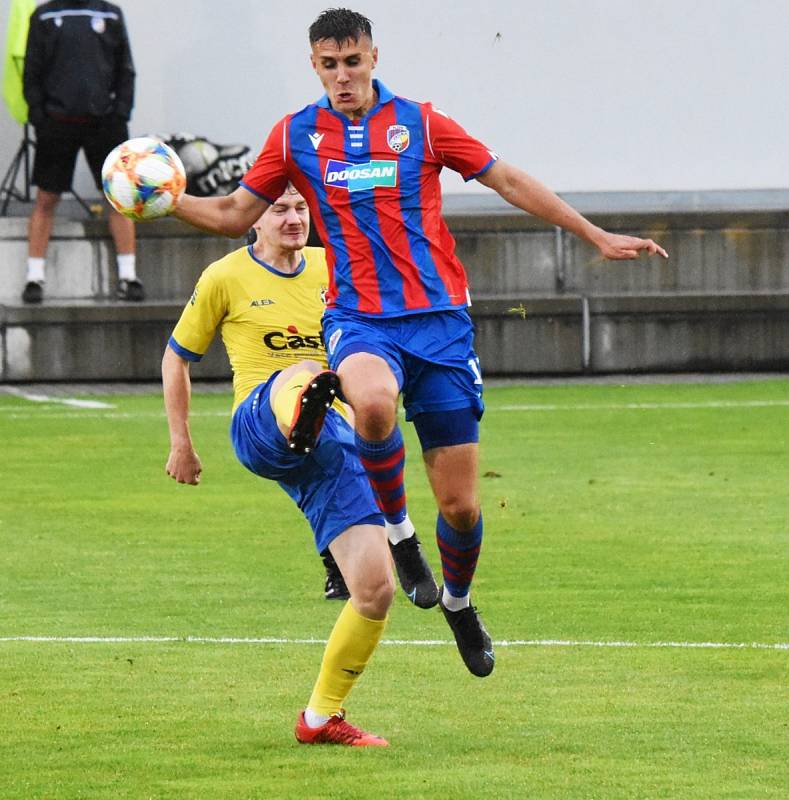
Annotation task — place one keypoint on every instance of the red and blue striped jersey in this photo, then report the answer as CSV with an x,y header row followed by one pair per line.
x,y
373,189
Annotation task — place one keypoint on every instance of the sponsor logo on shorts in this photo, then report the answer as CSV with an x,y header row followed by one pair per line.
x,y
333,339
398,137
258,303
358,177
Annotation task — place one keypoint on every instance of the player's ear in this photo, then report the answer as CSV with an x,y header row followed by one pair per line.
x,y
375,57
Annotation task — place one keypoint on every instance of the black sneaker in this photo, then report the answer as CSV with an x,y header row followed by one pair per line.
x,y
414,572
33,293
335,583
473,641
313,402
132,291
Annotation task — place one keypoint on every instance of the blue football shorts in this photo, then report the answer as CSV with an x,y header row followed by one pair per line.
x,y
431,355
329,484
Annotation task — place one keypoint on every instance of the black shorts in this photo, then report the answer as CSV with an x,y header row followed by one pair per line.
x,y
58,144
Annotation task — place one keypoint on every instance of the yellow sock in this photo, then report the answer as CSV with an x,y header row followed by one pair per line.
x,y
350,646
284,402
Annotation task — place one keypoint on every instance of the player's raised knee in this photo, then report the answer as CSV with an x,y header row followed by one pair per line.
x,y
461,513
311,365
376,414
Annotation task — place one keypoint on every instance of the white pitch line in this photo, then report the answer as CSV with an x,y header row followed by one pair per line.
x,y
47,413
677,645
44,398
394,642
715,404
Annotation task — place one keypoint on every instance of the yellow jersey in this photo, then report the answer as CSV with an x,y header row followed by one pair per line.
x,y
269,320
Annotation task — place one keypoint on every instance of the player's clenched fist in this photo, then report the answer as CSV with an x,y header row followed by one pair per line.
x,y
183,465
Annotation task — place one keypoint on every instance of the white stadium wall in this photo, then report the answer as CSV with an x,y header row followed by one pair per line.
x,y
588,95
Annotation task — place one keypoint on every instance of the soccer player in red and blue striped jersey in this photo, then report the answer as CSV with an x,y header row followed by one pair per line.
x,y
368,161
374,184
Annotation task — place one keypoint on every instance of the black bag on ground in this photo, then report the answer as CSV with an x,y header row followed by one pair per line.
x,y
211,169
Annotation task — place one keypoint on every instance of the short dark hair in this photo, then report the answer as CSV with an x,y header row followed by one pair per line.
x,y
340,24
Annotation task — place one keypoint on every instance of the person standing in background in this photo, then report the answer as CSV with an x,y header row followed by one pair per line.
x,y
79,87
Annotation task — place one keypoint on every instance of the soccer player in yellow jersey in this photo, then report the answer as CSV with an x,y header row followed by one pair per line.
x,y
266,300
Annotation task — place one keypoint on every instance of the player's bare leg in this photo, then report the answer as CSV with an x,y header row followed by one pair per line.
x,y
362,554
41,221
122,232
123,235
453,475
371,389
39,231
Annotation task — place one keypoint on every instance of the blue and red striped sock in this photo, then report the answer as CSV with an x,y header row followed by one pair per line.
x,y
385,462
459,553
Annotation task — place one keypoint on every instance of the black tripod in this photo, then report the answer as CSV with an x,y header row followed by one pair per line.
x,y
22,162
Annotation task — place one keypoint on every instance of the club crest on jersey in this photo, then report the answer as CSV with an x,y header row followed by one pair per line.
x,y
357,177
398,137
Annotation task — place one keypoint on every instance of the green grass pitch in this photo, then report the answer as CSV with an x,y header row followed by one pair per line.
x,y
623,524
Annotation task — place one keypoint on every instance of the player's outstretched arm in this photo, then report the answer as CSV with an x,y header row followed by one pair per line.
x,y
522,191
232,215
183,463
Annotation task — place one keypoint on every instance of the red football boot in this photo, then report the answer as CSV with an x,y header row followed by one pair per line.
x,y
337,731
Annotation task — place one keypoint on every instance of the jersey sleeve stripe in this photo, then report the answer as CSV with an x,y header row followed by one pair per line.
x,y
257,194
183,351
427,135
482,171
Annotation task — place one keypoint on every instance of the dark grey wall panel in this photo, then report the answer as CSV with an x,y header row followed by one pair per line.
x,y
543,302
93,342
